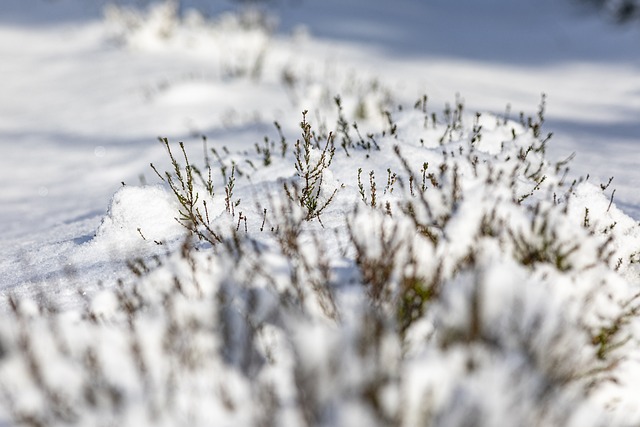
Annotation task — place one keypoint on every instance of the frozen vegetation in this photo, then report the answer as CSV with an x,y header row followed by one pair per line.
x,y
307,245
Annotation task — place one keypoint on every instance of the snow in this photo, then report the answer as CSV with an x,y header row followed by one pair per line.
x,y
449,271
135,212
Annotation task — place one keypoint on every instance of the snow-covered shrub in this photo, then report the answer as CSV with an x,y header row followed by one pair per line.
x,y
237,40
472,285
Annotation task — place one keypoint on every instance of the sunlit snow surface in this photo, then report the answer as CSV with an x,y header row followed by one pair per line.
x,y
86,91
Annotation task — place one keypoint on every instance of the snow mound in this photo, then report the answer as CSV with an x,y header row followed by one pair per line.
x,y
139,214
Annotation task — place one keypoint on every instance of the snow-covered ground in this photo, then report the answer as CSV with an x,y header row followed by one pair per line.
x,y
87,91
80,113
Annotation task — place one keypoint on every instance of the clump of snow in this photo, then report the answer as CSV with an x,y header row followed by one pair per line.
x,y
139,214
